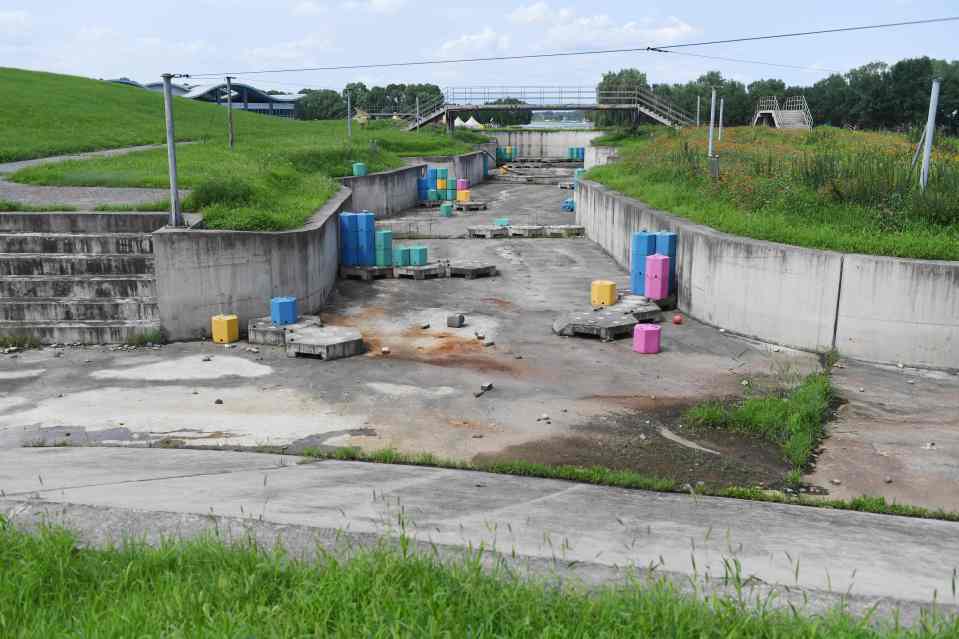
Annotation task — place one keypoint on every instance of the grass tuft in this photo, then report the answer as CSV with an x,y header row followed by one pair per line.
x,y
52,585
152,336
19,341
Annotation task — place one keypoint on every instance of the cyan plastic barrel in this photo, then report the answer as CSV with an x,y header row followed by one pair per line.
x,y
642,244
442,174
359,169
401,256
446,209
451,195
418,256
501,221
433,195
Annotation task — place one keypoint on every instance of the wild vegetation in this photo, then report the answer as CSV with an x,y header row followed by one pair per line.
x,y
280,172
52,585
826,188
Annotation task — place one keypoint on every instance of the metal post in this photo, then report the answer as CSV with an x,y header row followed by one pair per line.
x,y
229,107
697,110
349,116
930,133
722,101
176,217
712,121
417,120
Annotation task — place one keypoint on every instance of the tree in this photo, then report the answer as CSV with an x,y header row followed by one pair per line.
x,y
320,105
613,88
359,95
502,117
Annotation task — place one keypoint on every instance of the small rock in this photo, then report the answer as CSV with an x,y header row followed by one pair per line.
x,y
888,480
252,349
480,336
425,325
862,390
487,387
479,393
59,394
745,382
642,437
455,321
543,418
489,343
519,357
776,349
207,358
477,437
385,350
228,346
900,365
910,381
218,401
565,410
722,330
196,392
58,354
835,482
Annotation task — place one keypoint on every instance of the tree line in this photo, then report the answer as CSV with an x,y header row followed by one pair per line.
x,y
326,104
874,96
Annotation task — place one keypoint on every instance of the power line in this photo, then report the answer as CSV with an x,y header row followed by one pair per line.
x,y
531,56
724,59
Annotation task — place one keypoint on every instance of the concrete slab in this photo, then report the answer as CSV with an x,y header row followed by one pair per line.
x,y
870,558
325,342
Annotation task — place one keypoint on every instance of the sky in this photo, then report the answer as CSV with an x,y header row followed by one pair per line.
x,y
141,40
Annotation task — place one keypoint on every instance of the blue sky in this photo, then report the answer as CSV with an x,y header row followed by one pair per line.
x,y
110,38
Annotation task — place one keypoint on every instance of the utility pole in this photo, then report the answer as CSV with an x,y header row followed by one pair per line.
x,y
930,132
697,111
229,107
176,217
712,121
722,101
349,116
417,120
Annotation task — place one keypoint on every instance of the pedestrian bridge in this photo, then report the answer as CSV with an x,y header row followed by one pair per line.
x,y
458,100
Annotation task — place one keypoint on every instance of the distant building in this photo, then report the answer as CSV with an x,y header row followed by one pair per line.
x,y
127,81
176,89
247,98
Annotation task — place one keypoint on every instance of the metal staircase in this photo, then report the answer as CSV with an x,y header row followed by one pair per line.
x,y
794,113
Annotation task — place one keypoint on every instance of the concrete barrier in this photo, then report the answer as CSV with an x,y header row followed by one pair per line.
x,y
468,165
200,273
386,193
877,309
81,222
899,310
544,144
600,155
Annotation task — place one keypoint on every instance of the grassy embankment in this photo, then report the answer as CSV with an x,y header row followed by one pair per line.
x,y
828,188
279,173
53,586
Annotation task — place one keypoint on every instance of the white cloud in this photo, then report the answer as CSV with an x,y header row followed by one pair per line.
x,y
532,14
375,6
485,41
566,29
296,51
308,8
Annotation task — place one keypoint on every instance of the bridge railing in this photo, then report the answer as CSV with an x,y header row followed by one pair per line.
x,y
535,96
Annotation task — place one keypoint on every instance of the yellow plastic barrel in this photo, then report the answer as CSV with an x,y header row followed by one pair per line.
x,y
463,196
225,328
603,293
440,184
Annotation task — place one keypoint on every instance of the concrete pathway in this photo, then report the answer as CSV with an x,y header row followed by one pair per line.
x,y
13,167
109,493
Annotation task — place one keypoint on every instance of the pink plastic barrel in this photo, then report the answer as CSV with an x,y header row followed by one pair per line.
x,y
462,184
657,277
646,338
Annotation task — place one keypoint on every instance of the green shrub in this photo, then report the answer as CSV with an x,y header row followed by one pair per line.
x,y
222,191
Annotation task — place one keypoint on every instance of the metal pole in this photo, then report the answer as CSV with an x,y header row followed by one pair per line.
x,y
697,110
176,217
229,107
417,114
930,133
349,116
712,121
722,101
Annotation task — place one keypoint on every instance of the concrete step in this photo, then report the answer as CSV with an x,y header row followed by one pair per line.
x,y
66,310
92,332
45,264
77,286
73,243
79,222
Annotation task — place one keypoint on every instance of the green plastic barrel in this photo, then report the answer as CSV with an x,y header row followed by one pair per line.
x,y
433,195
442,174
384,257
418,256
446,209
359,169
401,256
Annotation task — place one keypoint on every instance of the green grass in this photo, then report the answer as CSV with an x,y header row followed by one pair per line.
x,y
601,476
286,168
6,206
794,420
152,336
158,205
53,586
826,188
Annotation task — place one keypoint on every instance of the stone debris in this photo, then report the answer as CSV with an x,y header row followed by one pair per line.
x,y
385,350
11,349
425,325
218,401
487,387
519,357
836,482
455,321
477,436
252,349
480,336
888,480
543,418
862,390
207,358
228,346
489,343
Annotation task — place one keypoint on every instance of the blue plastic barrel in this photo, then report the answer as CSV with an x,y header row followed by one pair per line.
x,y
283,310
641,245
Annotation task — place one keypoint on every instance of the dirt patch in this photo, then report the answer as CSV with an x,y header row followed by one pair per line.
x,y
631,440
499,303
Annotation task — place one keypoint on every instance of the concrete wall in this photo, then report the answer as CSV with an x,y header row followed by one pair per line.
x,y
600,155
387,193
76,222
898,310
876,309
201,273
469,165
544,144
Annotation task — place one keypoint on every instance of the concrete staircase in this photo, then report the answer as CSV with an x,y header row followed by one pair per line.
x,y
78,277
